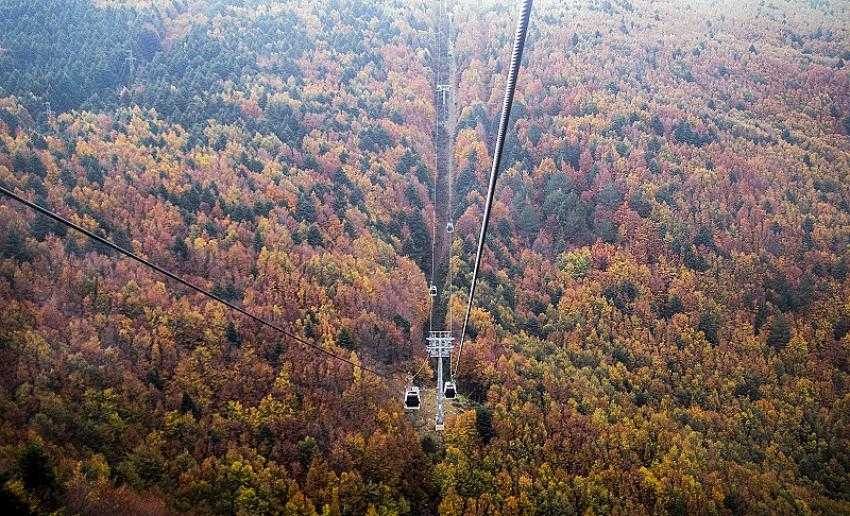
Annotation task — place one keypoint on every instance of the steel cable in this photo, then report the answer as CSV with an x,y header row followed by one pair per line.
x,y
510,88
178,279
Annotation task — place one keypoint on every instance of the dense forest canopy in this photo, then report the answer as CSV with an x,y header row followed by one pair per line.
x,y
662,321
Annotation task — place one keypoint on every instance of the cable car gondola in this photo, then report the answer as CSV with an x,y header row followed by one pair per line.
x,y
450,228
411,398
433,291
450,391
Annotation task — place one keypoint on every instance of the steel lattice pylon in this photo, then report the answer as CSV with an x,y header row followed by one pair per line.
x,y
440,346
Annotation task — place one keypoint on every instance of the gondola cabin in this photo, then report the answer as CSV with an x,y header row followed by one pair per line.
x,y
450,391
411,398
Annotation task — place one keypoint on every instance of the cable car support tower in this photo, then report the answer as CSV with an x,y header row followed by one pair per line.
x,y
440,346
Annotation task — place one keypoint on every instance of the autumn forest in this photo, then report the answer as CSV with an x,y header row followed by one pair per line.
x,y
662,316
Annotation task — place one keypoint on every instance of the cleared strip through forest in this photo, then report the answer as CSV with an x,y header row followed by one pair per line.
x,y
442,62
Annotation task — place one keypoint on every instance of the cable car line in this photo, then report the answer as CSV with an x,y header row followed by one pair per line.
x,y
436,347
510,88
171,275
421,368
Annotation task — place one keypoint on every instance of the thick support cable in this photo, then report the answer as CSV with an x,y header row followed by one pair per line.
x,y
510,88
178,279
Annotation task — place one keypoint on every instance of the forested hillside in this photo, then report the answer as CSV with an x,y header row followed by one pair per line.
x,y
662,323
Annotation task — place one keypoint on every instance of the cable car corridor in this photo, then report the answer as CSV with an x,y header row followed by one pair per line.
x,y
430,404
441,349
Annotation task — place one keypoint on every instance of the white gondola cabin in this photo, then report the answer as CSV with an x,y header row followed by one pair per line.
x,y
450,228
412,400
433,291
450,391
